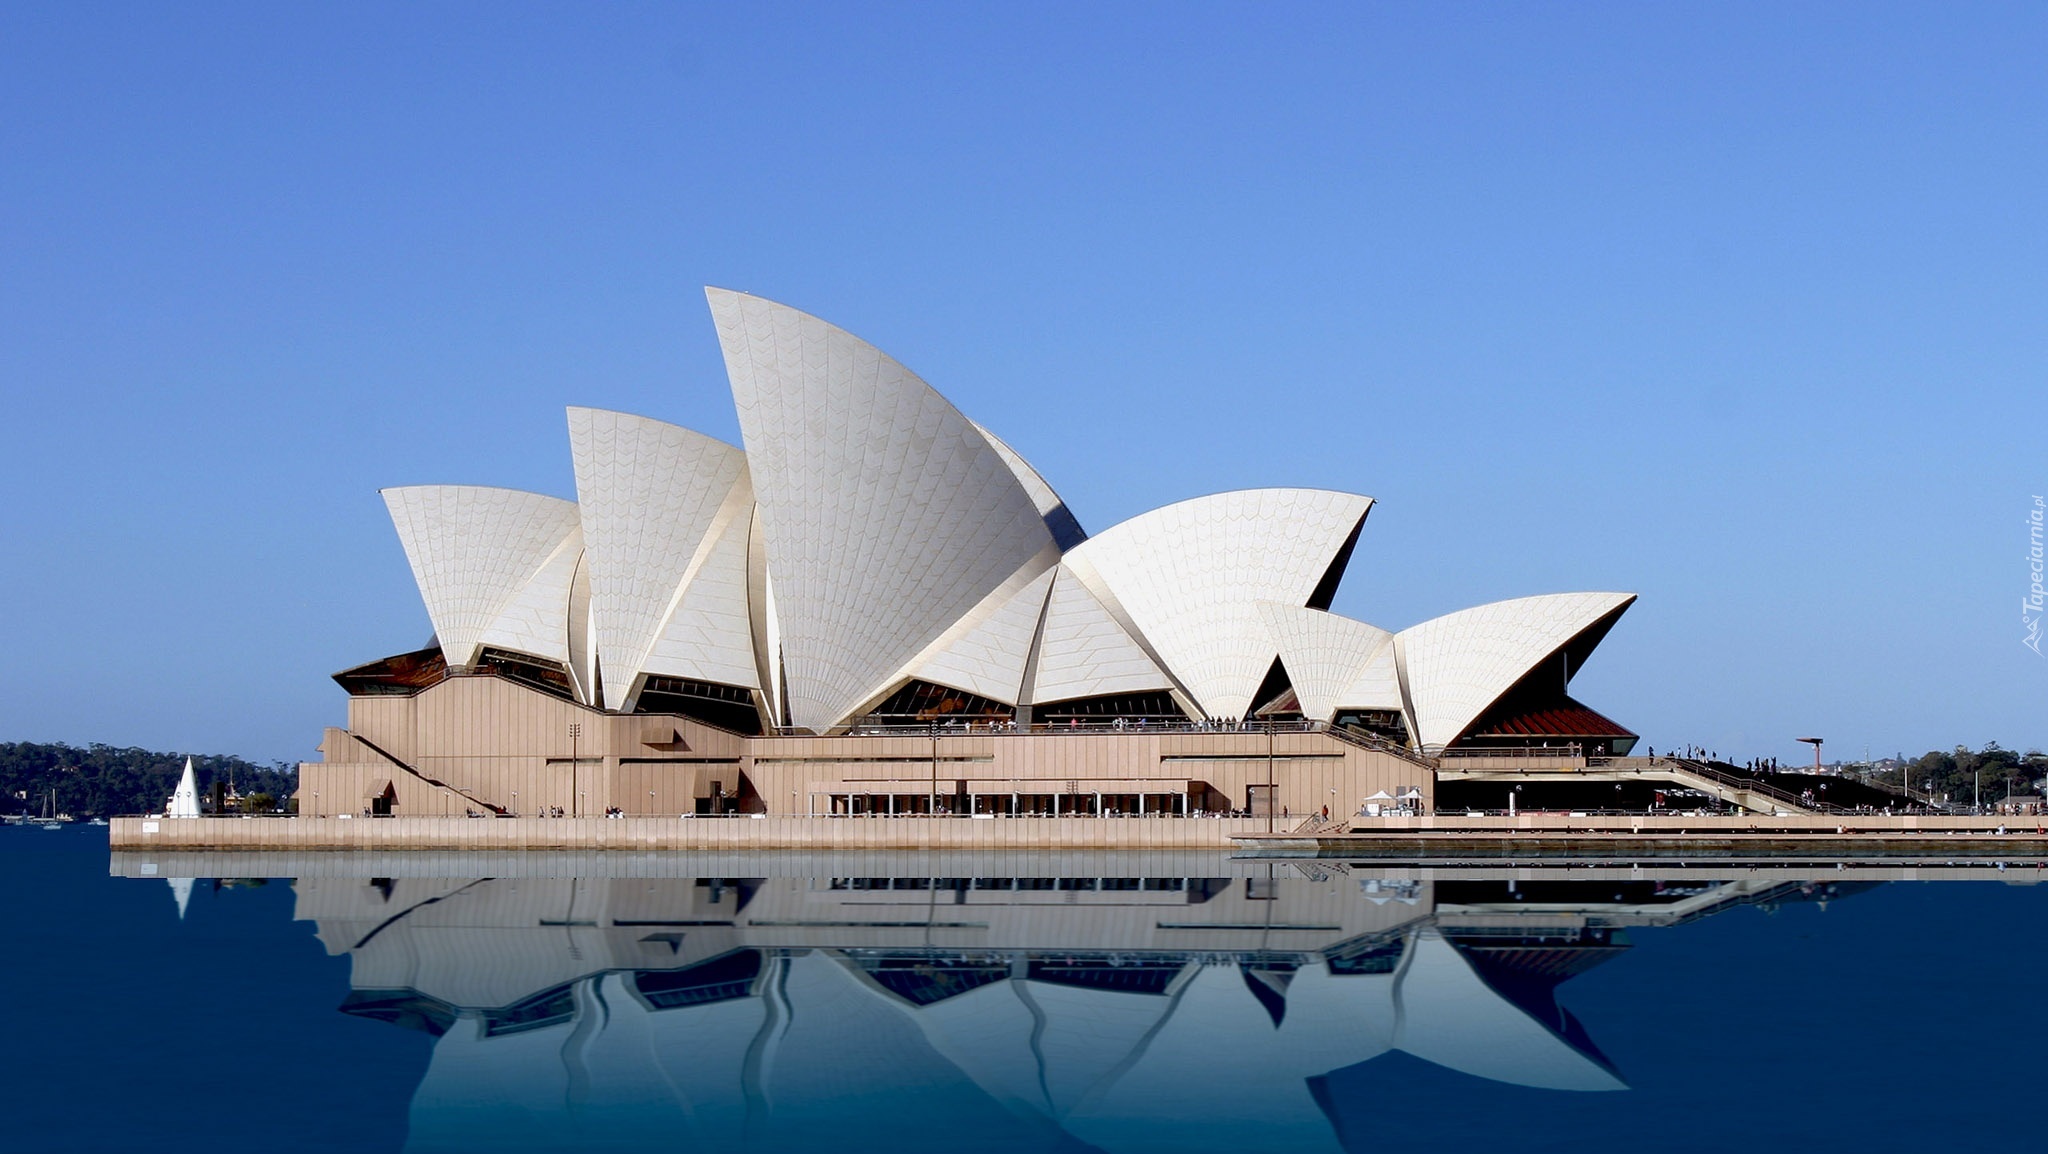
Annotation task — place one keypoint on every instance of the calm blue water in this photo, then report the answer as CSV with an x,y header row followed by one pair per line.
x,y
1129,1005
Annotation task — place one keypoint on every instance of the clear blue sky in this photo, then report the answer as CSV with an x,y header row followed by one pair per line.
x,y
1736,306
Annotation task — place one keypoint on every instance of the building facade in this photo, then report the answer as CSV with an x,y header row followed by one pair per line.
x,y
876,606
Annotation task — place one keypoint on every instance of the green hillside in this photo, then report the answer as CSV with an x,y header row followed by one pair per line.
x,y
103,781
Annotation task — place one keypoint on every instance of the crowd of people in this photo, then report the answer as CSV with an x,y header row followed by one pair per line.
x,y
1116,724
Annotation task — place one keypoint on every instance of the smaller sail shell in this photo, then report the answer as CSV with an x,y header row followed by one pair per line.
x,y
1457,665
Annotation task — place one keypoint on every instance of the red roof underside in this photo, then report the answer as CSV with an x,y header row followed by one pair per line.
x,y
1573,720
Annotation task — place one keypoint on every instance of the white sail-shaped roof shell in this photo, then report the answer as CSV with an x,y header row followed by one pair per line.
x,y
887,515
1084,652
1333,661
657,502
473,550
870,534
1190,577
1457,665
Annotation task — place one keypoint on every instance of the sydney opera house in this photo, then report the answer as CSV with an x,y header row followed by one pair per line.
x,y
876,606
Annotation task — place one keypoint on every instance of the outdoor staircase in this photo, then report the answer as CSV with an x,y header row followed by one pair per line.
x,y
1317,823
399,764
1364,740
1734,789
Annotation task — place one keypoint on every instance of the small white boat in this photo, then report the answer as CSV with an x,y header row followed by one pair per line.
x,y
51,819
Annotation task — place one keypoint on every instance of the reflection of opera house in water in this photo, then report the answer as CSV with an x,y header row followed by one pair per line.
x,y
1112,1013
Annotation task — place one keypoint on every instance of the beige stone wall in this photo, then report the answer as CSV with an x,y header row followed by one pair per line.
x,y
499,742
502,743
331,787
1307,770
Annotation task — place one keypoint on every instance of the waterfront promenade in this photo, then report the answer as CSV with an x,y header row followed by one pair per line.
x,y
673,833
1408,838
1827,837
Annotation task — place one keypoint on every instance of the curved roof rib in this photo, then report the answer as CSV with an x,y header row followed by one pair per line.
x,y
655,499
1455,666
1333,661
887,515
1059,520
473,550
1190,577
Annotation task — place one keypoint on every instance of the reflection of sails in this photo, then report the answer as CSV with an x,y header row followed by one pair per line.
x,y
181,892
1129,1014
1450,1016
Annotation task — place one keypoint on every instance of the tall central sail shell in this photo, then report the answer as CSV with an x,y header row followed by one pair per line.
x,y
887,515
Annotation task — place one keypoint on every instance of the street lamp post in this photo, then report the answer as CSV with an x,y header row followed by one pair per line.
x,y
1272,787
575,732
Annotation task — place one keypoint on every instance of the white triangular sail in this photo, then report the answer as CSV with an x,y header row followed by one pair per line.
x,y
1188,580
185,800
657,502
1333,661
472,550
886,515
1455,666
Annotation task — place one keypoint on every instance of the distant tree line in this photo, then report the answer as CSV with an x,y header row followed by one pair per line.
x,y
1962,771
102,780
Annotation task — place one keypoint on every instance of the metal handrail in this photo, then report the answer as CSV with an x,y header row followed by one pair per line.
x,y
1529,751
1147,725
1733,781
1376,743
985,727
